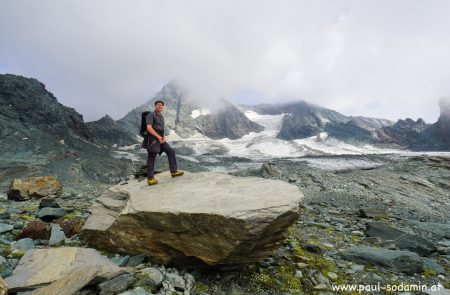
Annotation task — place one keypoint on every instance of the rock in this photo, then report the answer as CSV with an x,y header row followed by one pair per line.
x,y
57,236
403,261
36,230
25,188
270,170
152,278
120,260
332,275
433,265
357,233
49,214
48,203
5,228
401,239
176,281
3,287
5,215
5,268
312,248
136,291
136,260
116,285
23,245
439,229
64,270
372,213
70,226
199,218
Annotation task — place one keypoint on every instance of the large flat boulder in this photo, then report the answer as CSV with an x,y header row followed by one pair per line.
x,y
60,270
207,218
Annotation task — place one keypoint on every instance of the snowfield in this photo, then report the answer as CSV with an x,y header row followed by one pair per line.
x,y
264,145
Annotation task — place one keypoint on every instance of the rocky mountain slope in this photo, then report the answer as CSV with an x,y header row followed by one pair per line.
x,y
437,135
108,132
304,119
186,118
407,133
41,136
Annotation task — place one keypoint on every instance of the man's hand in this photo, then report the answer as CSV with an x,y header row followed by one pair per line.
x,y
161,140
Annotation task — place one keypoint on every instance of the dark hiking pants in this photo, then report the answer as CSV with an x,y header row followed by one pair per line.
x,y
166,148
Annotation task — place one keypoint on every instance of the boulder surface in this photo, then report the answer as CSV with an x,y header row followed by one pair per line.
x,y
201,218
60,270
24,189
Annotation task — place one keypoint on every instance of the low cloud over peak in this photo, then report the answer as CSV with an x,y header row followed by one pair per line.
x,y
374,58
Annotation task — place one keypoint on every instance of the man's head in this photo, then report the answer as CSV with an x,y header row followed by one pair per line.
x,y
159,106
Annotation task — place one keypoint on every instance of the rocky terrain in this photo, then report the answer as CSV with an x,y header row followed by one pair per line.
x,y
359,223
40,136
75,220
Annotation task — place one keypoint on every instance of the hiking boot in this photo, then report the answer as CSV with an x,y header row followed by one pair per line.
x,y
177,173
151,181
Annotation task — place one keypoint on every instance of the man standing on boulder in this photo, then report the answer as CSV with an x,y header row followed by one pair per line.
x,y
155,128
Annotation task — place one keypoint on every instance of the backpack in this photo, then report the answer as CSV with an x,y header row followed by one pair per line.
x,y
143,130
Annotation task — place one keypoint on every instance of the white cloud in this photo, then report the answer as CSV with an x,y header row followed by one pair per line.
x,y
375,58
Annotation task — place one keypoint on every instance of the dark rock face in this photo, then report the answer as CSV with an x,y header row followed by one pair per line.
x,y
305,119
41,136
437,135
109,132
351,132
404,132
225,121
28,110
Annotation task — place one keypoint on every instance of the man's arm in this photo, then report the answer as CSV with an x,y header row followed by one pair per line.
x,y
154,133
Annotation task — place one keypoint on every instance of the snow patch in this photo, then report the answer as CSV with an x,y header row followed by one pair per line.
x,y
200,112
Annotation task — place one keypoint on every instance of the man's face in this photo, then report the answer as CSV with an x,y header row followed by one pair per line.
x,y
159,107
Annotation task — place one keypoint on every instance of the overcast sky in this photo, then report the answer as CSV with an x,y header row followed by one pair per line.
x,y
388,59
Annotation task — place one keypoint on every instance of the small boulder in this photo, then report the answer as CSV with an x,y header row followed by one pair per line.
x,y
150,278
3,287
5,227
57,236
403,240
5,268
70,226
440,229
48,214
48,202
61,270
36,230
270,170
23,245
116,285
402,261
24,189
372,213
